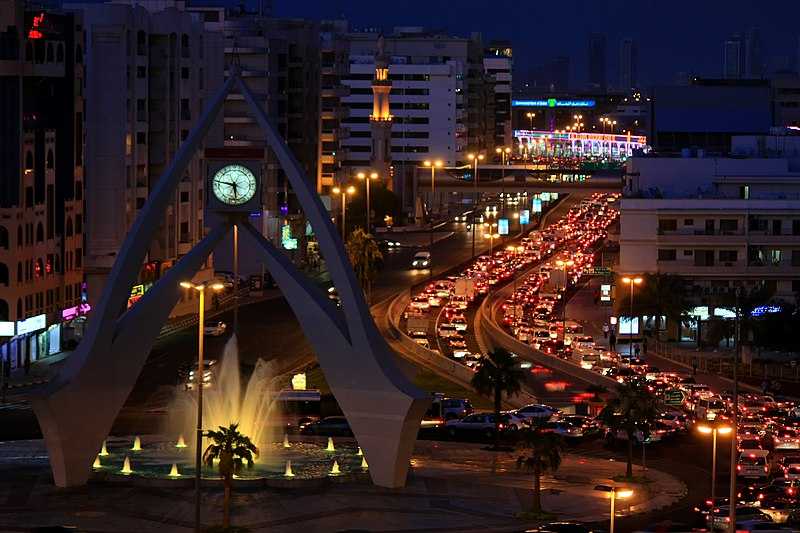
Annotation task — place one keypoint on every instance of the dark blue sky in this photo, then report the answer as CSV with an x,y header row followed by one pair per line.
x,y
673,35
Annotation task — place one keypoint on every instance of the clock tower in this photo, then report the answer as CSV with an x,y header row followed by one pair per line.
x,y
381,119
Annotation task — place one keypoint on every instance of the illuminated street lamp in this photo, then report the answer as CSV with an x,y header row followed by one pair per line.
x,y
344,192
433,166
505,153
475,158
199,376
614,494
564,265
530,116
713,430
632,282
490,232
372,176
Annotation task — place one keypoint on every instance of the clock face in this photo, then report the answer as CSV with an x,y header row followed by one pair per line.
x,y
234,185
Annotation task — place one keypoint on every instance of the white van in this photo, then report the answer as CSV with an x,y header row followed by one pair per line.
x,y
753,464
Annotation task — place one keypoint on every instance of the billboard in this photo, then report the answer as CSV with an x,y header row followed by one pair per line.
x,y
502,226
524,216
537,205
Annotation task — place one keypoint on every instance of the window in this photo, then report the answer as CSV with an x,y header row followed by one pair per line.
x,y
69,231
39,233
728,226
51,160
139,203
184,197
141,137
186,113
728,256
185,52
184,73
795,258
795,227
78,257
78,224
703,258
141,43
4,239
667,224
744,192
184,237
28,160
687,252
141,72
141,109
666,254
775,257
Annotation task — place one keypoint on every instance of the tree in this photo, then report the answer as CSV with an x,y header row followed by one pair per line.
x,y
365,256
496,374
234,451
545,455
633,410
659,295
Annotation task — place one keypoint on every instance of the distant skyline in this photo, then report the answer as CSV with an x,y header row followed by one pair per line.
x,y
679,36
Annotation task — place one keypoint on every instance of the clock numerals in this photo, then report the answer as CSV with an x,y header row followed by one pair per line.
x,y
234,185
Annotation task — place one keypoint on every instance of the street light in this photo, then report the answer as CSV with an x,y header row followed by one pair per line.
x,y
198,381
564,265
344,192
505,153
489,233
530,116
713,430
372,176
632,282
433,166
475,158
614,494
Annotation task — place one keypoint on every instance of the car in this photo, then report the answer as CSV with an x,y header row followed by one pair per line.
x,y
719,518
330,426
454,407
214,328
512,421
479,425
421,260
753,464
536,412
447,330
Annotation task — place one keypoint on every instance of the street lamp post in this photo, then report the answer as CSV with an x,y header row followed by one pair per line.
x,y
367,179
632,282
564,265
475,158
530,116
433,165
199,376
344,192
614,494
713,430
504,152
489,229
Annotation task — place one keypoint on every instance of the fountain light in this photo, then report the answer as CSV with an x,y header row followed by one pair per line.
x,y
137,444
359,452
288,472
103,450
173,472
97,463
286,443
364,464
330,447
335,468
126,466
181,443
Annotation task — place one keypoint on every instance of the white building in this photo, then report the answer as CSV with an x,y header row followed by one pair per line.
x,y
148,74
718,222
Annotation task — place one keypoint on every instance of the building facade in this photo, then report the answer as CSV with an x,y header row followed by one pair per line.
x,y
498,65
597,68
628,65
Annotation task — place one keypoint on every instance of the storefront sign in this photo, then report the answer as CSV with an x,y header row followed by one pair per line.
x,y
78,310
287,241
7,328
605,292
33,323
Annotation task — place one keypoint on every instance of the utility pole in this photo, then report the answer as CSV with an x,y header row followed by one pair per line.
x,y
734,426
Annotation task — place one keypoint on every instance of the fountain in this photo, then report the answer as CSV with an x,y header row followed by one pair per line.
x,y
359,452
364,464
103,450
97,463
288,472
126,466
181,443
335,469
330,447
137,444
173,472
286,441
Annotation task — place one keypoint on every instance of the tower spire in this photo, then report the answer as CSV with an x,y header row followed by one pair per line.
x,y
381,118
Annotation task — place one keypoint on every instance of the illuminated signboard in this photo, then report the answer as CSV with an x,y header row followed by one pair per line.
x,y
137,291
554,196
553,102
524,216
537,205
287,241
6,328
628,325
33,323
545,196
35,31
605,292
502,226
762,310
78,310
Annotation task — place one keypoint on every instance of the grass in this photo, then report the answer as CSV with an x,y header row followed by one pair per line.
x,y
633,479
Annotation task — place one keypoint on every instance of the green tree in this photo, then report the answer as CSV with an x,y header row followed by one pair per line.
x,y
496,374
365,257
545,455
633,410
234,451
659,295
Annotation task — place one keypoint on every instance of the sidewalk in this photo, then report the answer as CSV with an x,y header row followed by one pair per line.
x,y
452,487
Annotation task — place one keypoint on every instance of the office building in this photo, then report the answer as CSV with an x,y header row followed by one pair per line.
x,y
597,62
628,65
334,67
753,59
41,174
149,74
734,57
498,65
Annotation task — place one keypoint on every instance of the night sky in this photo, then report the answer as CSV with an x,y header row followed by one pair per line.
x,y
673,35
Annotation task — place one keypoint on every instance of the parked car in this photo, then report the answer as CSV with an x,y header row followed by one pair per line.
x,y
330,426
536,412
480,425
454,407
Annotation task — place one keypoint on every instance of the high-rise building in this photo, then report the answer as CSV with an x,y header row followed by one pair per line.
x,y
334,67
753,59
628,65
733,57
148,76
41,172
498,65
597,62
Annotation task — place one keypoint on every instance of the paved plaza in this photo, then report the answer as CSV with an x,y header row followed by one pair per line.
x,y
452,487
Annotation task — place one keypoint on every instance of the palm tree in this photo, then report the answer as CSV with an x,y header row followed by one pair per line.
x,y
545,456
365,257
496,374
234,451
633,410
658,295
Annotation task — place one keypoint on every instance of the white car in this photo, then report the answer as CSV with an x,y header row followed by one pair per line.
x,y
214,329
537,412
421,260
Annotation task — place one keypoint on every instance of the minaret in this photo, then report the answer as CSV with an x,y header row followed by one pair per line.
x,y
381,119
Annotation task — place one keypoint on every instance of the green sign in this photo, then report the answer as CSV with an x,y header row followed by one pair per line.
x,y
602,271
551,102
673,397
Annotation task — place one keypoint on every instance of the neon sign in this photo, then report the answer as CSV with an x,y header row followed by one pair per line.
x,y
35,31
553,102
